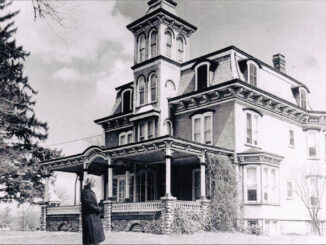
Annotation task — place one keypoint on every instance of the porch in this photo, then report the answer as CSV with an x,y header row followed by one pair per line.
x,y
140,182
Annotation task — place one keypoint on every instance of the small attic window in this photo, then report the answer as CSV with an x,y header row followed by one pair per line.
x,y
252,74
202,76
303,98
126,101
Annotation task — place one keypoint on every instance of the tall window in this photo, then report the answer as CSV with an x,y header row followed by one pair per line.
x,y
180,49
202,128
168,38
153,43
119,187
196,184
274,189
266,184
252,186
146,130
202,77
252,128
252,74
312,137
145,186
153,87
291,136
141,48
126,138
289,189
126,101
303,98
141,91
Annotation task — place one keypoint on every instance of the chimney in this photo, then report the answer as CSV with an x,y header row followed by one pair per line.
x,y
279,62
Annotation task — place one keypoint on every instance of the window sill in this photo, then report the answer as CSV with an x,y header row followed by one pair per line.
x,y
151,103
313,158
289,198
292,146
254,146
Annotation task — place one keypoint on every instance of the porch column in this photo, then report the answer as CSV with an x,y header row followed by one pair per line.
x,y
203,177
127,185
82,176
103,187
108,203
44,205
168,175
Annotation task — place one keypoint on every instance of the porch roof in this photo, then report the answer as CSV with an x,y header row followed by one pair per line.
x,y
146,151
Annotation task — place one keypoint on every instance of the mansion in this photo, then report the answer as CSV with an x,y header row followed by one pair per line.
x,y
175,111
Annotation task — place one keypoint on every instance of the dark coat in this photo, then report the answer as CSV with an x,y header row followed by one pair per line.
x,y
92,226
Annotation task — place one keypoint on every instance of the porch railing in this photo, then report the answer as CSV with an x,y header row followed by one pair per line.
x,y
137,207
189,206
63,210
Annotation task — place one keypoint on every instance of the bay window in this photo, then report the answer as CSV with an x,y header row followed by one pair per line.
x,y
202,128
251,184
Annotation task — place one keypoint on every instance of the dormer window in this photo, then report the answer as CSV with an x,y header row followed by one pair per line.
x,y
141,90
202,76
252,74
303,98
126,101
141,48
153,87
168,48
181,50
153,43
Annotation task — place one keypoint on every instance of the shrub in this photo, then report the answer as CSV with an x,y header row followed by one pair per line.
x,y
223,210
186,223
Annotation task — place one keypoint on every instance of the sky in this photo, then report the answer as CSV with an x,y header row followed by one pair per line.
x,y
76,66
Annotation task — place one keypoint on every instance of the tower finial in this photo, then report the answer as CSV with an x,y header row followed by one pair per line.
x,y
168,5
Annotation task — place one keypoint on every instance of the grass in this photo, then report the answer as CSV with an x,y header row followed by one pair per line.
x,y
39,237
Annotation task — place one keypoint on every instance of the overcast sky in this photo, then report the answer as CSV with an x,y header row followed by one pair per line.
x,y
76,67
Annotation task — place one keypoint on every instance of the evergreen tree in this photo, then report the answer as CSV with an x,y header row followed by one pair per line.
x,y
20,130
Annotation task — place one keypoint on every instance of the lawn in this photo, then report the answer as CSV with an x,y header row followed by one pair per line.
x,y
39,237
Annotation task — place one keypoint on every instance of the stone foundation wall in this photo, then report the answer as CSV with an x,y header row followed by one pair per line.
x,y
63,222
133,221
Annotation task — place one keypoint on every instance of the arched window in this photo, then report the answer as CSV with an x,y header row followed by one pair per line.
x,y
153,44
303,99
202,76
153,87
252,74
126,101
141,48
141,91
168,48
168,128
180,49
170,88
312,143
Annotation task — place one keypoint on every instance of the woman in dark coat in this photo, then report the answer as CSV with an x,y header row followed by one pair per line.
x,y
92,226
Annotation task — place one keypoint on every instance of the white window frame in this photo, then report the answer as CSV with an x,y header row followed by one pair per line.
x,y
202,126
317,144
290,145
139,48
122,96
150,43
184,49
150,99
123,177
256,132
138,90
196,74
125,134
166,43
146,130
256,186
249,70
289,197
